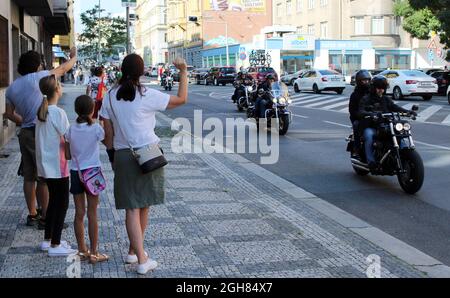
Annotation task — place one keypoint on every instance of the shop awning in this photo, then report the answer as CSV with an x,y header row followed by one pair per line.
x,y
36,7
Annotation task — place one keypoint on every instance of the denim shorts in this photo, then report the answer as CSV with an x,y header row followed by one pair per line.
x,y
76,186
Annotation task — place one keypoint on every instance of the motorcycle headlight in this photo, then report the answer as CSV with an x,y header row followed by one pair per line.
x,y
274,100
282,100
249,88
407,126
289,101
399,126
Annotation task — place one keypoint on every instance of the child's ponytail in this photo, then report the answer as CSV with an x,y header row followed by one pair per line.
x,y
43,110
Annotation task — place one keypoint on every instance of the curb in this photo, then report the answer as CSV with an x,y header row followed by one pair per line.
x,y
416,258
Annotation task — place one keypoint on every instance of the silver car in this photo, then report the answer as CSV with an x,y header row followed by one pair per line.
x,y
289,79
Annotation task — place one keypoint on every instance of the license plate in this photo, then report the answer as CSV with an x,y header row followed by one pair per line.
x,y
335,79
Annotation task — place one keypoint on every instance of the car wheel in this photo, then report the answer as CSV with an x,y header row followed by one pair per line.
x,y
340,91
448,98
198,81
292,82
316,89
427,97
296,89
224,84
397,93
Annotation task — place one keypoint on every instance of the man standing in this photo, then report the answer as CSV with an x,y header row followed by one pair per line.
x,y
23,99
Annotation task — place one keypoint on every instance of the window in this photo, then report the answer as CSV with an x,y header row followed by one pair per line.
x,y
4,53
323,2
311,4
311,30
300,30
279,12
359,26
288,7
378,25
299,5
324,30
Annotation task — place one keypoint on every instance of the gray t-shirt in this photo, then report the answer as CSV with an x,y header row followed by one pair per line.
x,y
26,97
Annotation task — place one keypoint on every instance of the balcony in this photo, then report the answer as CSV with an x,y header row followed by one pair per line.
x,y
37,7
59,23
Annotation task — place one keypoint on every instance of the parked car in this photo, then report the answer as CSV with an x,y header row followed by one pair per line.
x,y
289,79
410,83
151,72
373,72
221,75
200,75
428,71
448,94
320,80
443,81
176,74
259,73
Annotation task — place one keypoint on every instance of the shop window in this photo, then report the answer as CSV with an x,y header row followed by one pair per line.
x,y
4,53
392,61
345,64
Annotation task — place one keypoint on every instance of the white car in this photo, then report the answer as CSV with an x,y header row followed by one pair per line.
x,y
289,79
448,94
410,83
320,80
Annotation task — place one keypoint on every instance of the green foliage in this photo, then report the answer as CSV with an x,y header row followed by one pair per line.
x,y
104,32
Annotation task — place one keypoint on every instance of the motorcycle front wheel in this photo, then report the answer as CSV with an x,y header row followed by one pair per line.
x,y
412,180
238,103
283,124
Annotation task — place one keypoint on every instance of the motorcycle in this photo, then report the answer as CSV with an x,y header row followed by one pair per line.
x,y
168,82
245,100
279,108
394,151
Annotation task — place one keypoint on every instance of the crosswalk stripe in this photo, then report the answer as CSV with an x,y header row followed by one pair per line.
x,y
297,102
323,102
446,120
408,106
428,112
344,110
306,96
342,103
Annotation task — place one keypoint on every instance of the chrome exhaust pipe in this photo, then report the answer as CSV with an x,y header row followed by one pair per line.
x,y
359,164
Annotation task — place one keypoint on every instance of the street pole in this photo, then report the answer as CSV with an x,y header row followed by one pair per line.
x,y
128,31
99,33
226,43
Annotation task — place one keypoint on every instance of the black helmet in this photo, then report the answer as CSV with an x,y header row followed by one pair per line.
x,y
270,77
362,75
380,82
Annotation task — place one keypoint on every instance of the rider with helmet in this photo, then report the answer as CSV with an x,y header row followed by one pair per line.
x,y
362,78
263,96
242,80
374,104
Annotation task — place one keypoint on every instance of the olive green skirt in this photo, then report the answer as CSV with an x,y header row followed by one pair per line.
x,y
132,189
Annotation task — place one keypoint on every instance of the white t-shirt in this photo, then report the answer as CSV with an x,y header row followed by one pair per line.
x,y
136,118
84,145
94,83
50,144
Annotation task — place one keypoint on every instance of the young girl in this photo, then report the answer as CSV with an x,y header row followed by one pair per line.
x,y
52,165
96,88
83,143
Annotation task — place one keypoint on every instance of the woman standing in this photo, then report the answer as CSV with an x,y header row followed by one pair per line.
x,y
97,88
129,120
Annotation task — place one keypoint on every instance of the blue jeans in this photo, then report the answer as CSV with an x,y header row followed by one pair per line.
x,y
260,107
355,125
369,134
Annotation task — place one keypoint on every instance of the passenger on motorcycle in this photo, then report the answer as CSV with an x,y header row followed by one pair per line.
x,y
264,97
242,80
362,88
373,105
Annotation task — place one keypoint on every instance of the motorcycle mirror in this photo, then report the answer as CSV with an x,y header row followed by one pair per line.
x,y
415,108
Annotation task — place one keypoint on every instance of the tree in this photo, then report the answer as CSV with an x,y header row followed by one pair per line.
x,y
421,17
105,32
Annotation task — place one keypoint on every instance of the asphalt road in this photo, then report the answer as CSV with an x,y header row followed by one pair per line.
x,y
313,156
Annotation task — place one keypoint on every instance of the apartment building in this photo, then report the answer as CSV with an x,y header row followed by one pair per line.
x,y
26,25
151,31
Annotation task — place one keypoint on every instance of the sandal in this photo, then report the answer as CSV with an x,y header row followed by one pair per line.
x,y
98,258
84,255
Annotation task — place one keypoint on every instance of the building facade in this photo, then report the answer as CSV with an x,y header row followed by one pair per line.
x,y
151,31
26,25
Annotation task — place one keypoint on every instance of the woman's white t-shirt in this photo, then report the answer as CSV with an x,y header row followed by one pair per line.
x,y
136,118
84,145
50,144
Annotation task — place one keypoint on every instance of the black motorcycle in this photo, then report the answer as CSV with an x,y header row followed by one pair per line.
x,y
246,95
278,108
394,151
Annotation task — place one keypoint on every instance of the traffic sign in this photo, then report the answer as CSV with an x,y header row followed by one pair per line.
x,y
242,56
129,3
439,52
432,45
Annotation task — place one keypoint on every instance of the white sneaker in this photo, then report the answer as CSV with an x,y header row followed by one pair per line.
x,y
60,251
133,259
45,245
147,266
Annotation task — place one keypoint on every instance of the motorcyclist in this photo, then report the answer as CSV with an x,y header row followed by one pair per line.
x,y
373,105
362,88
264,96
242,80
165,73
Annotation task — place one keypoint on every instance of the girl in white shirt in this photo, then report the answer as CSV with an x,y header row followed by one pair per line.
x,y
82,146
52,165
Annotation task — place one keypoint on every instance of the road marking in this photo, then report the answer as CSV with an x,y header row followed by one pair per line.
x,y
300,116
446,120
338,124
308,101
431,145
408,106
344,103
428,112
323,102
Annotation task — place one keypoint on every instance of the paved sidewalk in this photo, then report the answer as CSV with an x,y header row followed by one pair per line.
x,y
219,220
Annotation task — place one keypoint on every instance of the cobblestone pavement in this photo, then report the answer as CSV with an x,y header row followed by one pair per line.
x,y
219,220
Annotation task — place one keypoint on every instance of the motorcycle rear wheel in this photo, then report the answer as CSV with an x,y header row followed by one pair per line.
x,y
412,181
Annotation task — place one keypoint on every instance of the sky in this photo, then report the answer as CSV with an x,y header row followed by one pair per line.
x,y
111,6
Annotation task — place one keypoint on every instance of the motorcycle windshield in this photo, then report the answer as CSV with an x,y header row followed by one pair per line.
x,y
279,89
